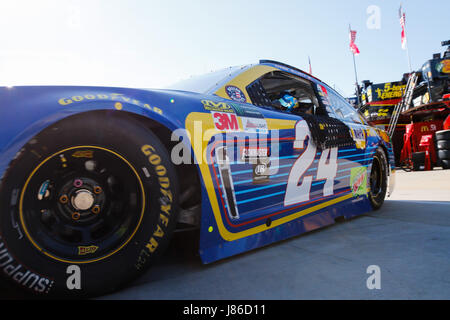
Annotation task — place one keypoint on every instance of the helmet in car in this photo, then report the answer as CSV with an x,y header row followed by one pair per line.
x,y
288,101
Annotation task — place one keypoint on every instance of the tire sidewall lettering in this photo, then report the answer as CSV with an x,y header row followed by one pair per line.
x,y
158,220
165,202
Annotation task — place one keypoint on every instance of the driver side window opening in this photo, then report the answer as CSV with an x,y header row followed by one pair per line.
x,y
342,109
285,92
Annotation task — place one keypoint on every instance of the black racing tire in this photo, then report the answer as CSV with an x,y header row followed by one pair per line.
x,y
445,164
443,135
93,158
443,144
444,154
378,179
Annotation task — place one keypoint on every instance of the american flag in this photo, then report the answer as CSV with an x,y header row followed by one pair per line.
x,y
353,46
401,16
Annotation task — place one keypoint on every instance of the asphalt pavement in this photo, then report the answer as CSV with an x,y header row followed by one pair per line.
x,y
408,240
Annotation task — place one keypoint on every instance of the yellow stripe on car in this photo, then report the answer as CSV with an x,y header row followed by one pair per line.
x,y
199,144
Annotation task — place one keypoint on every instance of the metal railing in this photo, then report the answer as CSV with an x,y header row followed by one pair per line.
x,y
404,104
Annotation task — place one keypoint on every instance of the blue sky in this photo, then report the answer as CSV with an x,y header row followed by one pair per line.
x,y
151,44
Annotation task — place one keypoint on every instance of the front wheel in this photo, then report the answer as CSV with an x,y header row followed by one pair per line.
x,y
378,179
86,206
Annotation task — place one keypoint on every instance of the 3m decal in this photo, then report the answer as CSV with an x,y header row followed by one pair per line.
x,y
217,106
235,94
225,121
358,181
297,192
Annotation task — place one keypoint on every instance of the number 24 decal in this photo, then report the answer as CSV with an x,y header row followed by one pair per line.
x,y
297,192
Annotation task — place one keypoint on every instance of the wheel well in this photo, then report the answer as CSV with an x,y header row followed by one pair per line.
x,y
386,154
189,180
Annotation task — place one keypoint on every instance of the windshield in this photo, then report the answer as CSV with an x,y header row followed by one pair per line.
x,y
208,82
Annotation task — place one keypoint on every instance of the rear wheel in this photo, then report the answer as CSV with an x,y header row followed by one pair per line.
x,y
86,206
378,179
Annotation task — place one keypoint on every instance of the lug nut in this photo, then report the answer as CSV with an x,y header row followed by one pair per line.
x,y
64,199
76,216
97,190
45,215
96,209
78,183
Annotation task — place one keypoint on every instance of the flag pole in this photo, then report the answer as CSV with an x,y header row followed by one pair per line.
x,y
402,16
409,58
407,51
354,67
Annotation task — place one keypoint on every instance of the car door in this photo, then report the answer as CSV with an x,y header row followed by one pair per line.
x,y
272,167
355,161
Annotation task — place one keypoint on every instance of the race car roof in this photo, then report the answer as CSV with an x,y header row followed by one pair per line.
x,y
211,82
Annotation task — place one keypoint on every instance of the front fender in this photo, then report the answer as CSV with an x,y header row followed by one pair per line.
x,y
386,143
26,111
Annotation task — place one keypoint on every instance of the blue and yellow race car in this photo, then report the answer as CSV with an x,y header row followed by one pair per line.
x,y
94,180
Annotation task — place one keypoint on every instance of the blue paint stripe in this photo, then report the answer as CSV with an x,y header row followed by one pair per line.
x,y
347,150
281,192
261,188
251,170
295,156
280,175
317,183
262,197
270,158
281,184
356,155
241,172
287,173
243,181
